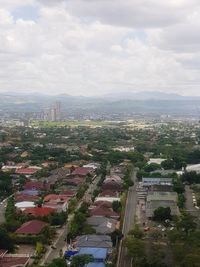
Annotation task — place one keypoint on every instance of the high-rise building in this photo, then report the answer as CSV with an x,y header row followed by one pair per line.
x,y
58,109
53,114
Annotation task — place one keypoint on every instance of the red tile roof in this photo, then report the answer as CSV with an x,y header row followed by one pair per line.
x,y
24,197
82,171
109,193
13,261
103,211
112,185
69,193
43,211
26,171
33,227
54,197
36,185
106,204
74,181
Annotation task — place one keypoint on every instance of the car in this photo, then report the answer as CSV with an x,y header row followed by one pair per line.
x,y
53,247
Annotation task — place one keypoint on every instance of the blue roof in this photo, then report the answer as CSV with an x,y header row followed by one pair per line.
x,y
70,253
95,264
97,253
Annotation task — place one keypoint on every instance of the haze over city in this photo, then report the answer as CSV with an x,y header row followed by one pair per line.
x,y
91,48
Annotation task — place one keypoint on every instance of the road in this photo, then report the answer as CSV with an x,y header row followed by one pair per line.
x,y
3,205
189,204
59,243
129,218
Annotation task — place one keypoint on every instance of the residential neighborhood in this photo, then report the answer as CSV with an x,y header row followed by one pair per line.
x,y
94,204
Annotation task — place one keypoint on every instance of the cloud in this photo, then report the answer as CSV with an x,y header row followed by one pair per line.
x,y
95,47
132,13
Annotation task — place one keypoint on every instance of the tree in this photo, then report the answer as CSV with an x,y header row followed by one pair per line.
x,y
162,214
77,224
167,164
116,206
136,232
57,263
39,248
135,249
187,223
152,167
6,241
116,236
81,260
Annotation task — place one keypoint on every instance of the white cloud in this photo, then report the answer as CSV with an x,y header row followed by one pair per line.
x,y
94,47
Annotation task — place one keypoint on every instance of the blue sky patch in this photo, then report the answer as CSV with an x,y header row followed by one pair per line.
x,y
26,13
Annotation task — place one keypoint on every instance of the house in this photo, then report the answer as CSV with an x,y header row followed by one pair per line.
x,y
117,170
49,163
98,254
13,260
94,241
148,181
70,166
24,154
69,193
106,204
37,185
26,171
161,199
109,199
103,211
21,165
102,225
38,211
33,227
57,202
161,188
74,181
112,185
82,171
115,178
155,161
24,204
109,193
25,197
94,166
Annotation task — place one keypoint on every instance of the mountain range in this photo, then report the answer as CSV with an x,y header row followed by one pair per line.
x,y
128,102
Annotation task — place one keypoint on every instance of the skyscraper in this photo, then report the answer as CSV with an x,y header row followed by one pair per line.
x,y
58,109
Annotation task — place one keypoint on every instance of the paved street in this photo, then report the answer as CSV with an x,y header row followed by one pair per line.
x,y
59,243
189,204
2,210
131,203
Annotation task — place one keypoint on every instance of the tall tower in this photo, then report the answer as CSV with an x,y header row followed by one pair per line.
x,y
58,109
53,114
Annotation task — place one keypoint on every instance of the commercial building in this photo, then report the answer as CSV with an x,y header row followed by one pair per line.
x,y
149,181
161,199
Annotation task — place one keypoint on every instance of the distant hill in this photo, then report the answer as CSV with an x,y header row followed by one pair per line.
x,y
149,95
119,103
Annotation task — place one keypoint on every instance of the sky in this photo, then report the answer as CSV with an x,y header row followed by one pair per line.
x,y
98,47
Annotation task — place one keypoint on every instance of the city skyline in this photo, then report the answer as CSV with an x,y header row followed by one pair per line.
x,y
99,47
